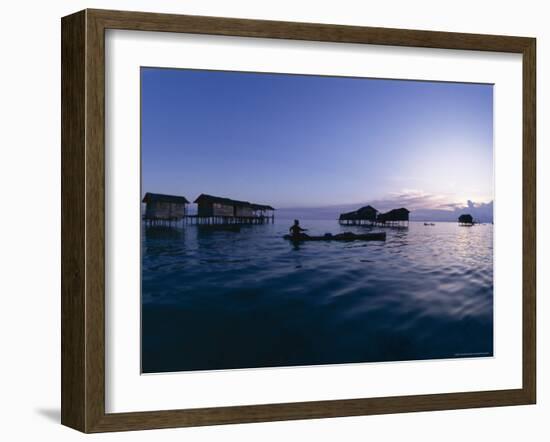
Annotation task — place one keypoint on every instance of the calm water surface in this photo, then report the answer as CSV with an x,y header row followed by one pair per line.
x,y
221,300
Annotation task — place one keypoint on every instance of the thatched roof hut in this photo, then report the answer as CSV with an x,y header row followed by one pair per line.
x,y
164,207
210,205
401,214
367,213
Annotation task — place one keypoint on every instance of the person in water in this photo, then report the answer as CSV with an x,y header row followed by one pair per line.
x,y
296,230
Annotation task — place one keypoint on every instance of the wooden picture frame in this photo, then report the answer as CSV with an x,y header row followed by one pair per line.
x,y
83,220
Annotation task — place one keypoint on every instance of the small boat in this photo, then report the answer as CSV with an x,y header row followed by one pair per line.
x,y
429,224
346,236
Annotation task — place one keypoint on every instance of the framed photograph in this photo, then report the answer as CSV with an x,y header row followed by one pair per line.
x,y
269,220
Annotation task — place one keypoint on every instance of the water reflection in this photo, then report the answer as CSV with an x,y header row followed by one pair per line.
x,y
223,299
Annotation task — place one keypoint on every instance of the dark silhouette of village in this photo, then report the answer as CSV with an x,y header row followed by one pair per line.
x,y
229,214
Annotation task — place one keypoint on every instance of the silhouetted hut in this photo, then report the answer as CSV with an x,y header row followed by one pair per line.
x,y
220,210
209,205
395,217
364,215
162,209
466,220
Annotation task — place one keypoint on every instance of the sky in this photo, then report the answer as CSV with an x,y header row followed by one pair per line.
x,y
314,142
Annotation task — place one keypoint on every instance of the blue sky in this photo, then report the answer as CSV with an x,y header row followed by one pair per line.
x,y
311,141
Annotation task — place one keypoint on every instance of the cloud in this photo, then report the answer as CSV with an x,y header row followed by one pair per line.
x,y
482,212
434,207
412,200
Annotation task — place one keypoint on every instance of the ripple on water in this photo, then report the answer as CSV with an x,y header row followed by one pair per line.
x,y
421,294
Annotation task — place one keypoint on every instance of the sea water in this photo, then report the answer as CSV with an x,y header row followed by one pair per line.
x,y
225,300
